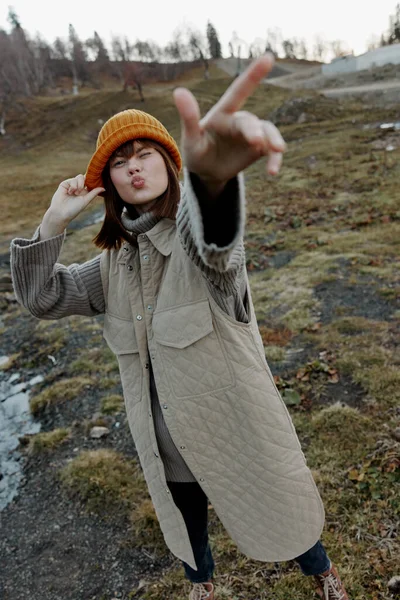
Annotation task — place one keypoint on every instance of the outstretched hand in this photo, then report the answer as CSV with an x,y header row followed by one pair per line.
x,y
227,139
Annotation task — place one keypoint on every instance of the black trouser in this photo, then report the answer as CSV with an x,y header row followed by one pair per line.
x,y
193,504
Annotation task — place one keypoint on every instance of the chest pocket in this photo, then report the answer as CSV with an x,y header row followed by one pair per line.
x,y
192,353
121,338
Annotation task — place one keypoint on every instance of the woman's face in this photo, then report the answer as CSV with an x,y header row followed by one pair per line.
x,y
140,179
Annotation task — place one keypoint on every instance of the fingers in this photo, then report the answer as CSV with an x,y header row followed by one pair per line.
x,y
277,147
237,93
189,112
251,128
274,162
262,136
273,135
92,194
75,186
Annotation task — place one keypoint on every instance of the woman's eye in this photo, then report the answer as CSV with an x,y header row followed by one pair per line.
x,y
145,154
118,162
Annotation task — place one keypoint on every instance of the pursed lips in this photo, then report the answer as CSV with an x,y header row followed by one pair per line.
x,y
137,181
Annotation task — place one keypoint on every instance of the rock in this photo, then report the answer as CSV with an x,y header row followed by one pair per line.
x,y
302,118
394,585
99,432
10,297
396,434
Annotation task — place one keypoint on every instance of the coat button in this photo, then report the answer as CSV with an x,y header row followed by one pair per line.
x,y
146,366
126,248
145,257
165,405
149,307
139,317
183,447
130,268
167,490
201,479
156,455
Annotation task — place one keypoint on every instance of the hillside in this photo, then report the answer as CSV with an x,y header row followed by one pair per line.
x,y
323,247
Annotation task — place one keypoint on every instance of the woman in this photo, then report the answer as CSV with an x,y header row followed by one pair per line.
x,y
207,420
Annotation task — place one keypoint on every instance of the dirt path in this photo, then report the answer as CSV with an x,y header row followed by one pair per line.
x,y
295,79
361,89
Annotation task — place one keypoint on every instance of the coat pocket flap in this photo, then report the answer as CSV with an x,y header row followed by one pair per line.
x,y
120,335
181,326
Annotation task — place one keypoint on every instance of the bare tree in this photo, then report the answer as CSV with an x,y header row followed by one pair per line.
x,y
320,48
257,48
198,46
339,48
288,49
274,40
24,66
373,42
303,50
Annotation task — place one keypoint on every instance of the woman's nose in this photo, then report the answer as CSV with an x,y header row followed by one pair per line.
x,y
133,165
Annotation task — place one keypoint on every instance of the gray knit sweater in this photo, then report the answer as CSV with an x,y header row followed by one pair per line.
x,y
211,234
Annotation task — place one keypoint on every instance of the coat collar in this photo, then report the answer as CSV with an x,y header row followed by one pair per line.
x,y
162,236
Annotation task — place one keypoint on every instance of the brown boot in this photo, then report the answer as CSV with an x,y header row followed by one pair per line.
x,y
329,586
202,591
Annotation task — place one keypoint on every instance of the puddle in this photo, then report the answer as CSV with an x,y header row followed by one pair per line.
x,y
15,421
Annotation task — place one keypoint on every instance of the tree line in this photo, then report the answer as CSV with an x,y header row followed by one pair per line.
x,y
30,66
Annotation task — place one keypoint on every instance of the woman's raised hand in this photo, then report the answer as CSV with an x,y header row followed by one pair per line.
x,y
70,199
227,139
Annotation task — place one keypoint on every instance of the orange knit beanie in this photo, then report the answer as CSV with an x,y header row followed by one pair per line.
x,y
124,126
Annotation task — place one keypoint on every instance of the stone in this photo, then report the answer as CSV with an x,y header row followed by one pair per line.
x,y
394,585
99,432
396,434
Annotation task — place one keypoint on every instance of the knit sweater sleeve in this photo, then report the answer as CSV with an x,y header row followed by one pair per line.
x,y
211,232
48,289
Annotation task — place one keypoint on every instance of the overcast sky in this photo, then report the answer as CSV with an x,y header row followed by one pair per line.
x,y
353,21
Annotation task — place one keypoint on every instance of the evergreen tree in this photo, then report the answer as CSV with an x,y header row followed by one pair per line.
x,y
78,59
394,28
214,45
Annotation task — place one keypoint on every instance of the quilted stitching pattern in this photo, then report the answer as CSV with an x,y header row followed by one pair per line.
x,y
222,406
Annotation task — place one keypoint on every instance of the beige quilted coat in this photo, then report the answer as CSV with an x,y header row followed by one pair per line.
x,y
218,398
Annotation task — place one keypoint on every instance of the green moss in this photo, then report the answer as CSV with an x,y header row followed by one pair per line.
x,y
61,391
275,353
48,440
94,360
340,422
103,480
112,404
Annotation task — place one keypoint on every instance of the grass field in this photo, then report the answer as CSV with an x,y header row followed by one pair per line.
x,y
323,248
